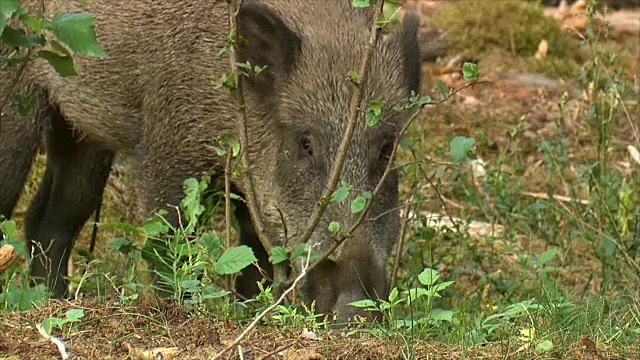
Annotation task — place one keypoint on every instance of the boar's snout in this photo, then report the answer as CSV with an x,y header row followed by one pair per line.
x,y
357,273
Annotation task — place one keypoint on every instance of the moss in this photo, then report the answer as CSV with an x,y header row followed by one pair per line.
x,y
516,26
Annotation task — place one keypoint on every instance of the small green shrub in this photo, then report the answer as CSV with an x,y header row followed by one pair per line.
x,y
513,25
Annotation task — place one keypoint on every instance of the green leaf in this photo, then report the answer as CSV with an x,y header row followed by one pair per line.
x,y
359,203
608,247
212,243
434,290
77,31
191,202
120,243
232,140
7,9
353,75
8,228
415,100
24,298
62,64
544,345
154,227
546,256
365,303
74,314
235,259
374,111
393,295
361,3
278,255
219,151
470,71
32,22
211,292
334,227
341,193
460,147
441,315
190,285
17,37
428,277
442,89
298,251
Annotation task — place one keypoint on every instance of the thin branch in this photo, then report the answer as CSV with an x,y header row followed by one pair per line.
x,y
241,118
227,206
400,244
356,99
266,311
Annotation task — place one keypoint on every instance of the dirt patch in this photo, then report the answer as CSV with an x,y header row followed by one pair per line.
x,y
143,330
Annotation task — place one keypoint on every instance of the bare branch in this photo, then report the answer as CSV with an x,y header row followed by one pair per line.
x,y
400,244
266,311
356,99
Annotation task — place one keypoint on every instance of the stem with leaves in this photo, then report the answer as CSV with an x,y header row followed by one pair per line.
x,y
252,204
354,115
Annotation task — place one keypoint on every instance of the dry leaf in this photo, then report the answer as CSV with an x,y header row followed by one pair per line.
x,y
7,257
309,335
543,49
635,154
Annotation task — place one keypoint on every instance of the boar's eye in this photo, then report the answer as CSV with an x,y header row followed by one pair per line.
x,y
305,145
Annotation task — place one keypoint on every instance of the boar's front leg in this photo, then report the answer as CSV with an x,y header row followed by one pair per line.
x,y
70,191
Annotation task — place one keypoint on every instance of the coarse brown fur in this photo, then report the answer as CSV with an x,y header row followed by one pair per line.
x,y
154,100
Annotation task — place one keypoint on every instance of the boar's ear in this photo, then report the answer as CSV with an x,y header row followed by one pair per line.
x,y
265,40
411,48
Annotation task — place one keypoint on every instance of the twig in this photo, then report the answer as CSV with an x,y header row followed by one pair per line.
x,y
57,342
277,351
400,243
241,118
266,311
560,198
336,169
227,206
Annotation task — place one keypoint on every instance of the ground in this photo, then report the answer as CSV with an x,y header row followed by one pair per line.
x,y
485,263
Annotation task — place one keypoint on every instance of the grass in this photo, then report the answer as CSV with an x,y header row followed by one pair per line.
x,y
521,273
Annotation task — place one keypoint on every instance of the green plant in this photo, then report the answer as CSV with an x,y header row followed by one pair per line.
x,y
413,307
17,294
71,317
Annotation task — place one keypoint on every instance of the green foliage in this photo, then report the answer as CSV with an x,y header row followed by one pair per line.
x,y
460,147
509,30
373,113
72,33
470,71
361,3
71,316
234,259
278,254
17,294
512,25
359,203
412,308
341,193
